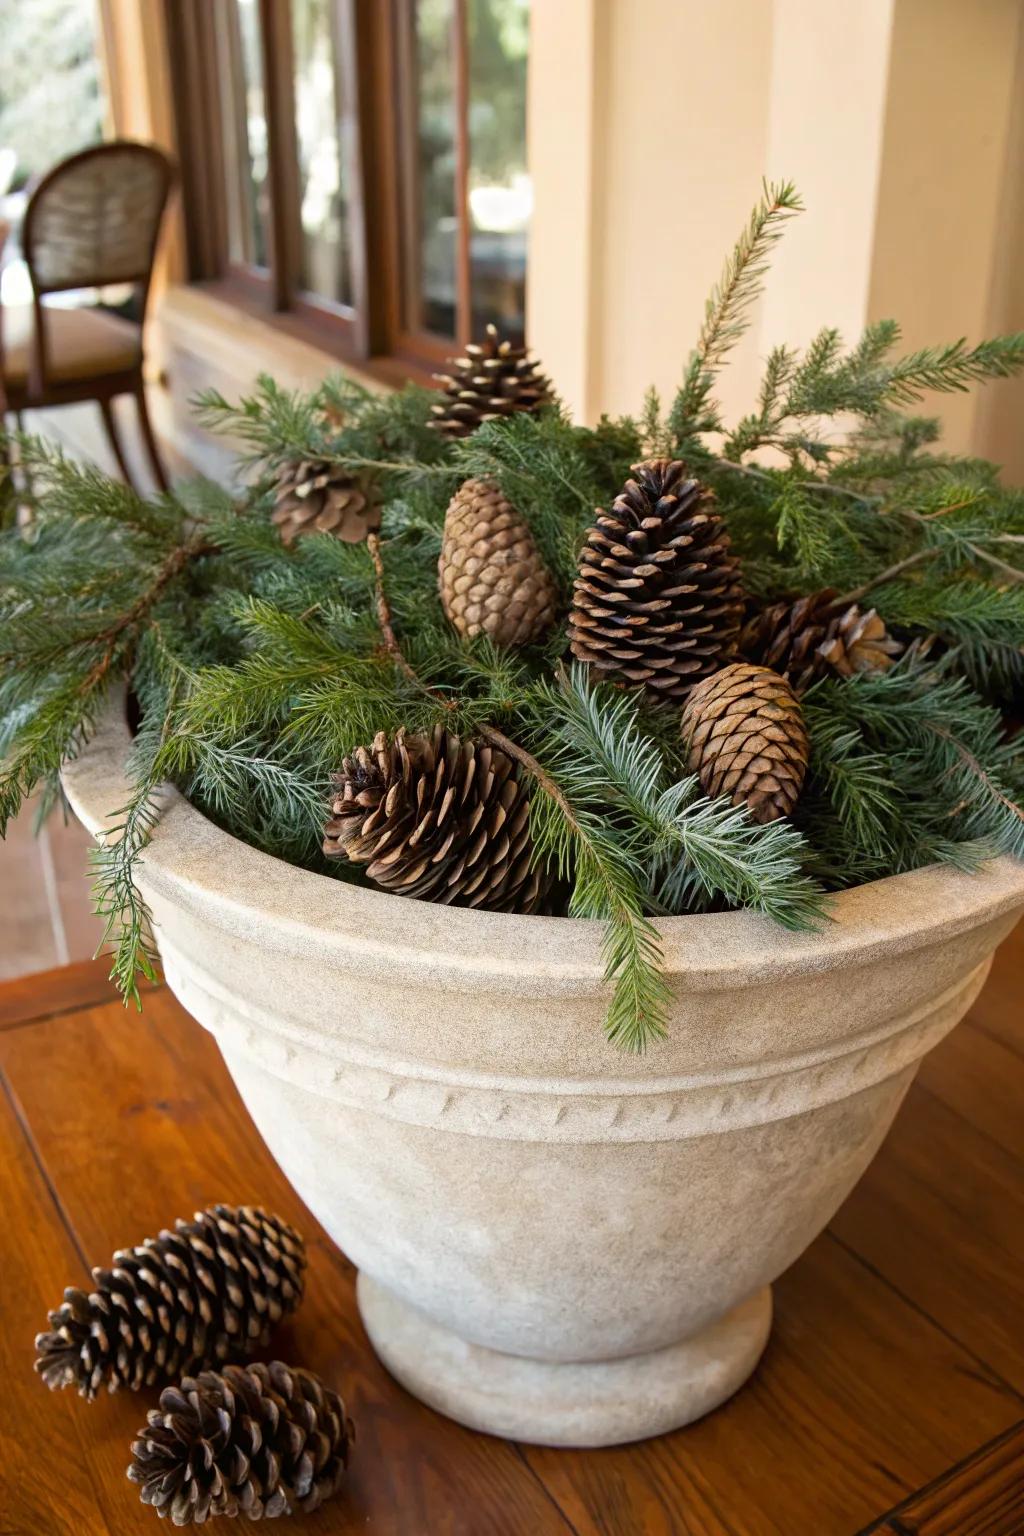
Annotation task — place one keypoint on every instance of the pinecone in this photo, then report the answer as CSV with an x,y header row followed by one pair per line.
x,y
745,737
315,496
492,578
258,1441
493,379
804,639
658,598
211,1289
438,818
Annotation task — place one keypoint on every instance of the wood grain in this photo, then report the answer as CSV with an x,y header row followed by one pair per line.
x,y
46,1484
26,999
858,1401
984,1496
896,1350
160,1133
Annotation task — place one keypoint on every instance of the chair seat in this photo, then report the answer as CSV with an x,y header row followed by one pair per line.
x,y
80,344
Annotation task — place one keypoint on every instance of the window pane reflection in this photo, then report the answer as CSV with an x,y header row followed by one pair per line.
x,y
322,131
500,197
244,131
431,283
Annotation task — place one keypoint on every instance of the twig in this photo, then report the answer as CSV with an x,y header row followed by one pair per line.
x,y
972,762
172,565
890,574
400,466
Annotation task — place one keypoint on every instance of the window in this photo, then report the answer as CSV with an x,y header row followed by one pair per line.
x,y
359,165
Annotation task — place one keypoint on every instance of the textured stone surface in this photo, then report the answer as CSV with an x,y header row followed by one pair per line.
x,y
436,1085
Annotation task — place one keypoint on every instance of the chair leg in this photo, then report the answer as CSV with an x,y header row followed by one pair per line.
x,y
106,410
149,438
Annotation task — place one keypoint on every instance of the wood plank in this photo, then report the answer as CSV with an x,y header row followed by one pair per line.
x,y
983,1496
998,1011
858,1397
161,1132
45,994
940,1215
46,1478
981,1078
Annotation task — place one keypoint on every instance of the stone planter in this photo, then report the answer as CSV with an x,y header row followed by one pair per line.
x,y
556,1242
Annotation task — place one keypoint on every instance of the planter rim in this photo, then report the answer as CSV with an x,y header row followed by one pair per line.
x,y
238,885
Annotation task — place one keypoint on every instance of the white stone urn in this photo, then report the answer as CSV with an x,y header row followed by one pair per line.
x,y
556,1241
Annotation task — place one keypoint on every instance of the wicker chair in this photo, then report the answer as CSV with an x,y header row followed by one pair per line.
x,y
90,222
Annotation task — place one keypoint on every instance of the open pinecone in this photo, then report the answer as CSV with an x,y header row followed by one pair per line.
x,y
745,738
658,598
257,1441
439,818
804,639
315,496
491,380
212,1289
491,575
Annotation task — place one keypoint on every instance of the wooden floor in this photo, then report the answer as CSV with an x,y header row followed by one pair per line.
x,y
891,1397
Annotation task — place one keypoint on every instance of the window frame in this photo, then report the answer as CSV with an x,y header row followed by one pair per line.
x,y
372,47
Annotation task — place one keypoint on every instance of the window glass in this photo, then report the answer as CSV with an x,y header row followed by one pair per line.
x,y
323,129
239,55
499,188
431,253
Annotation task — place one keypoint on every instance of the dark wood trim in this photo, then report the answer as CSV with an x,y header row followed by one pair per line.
x,y
983,1495
191,45
373,42
282,149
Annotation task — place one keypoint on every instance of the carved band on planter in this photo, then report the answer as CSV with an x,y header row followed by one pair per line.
x,y
601,1228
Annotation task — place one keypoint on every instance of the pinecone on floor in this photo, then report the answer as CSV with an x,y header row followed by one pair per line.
x,y
745,737
212,1289
257,1441
315,496
805,639
658,598
492,578
437,818
493,379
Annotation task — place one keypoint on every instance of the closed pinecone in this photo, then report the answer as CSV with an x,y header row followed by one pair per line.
x,y
315,496
745,736
492,578
658,599
492,380
257,1441
438,818
212,1289
807,638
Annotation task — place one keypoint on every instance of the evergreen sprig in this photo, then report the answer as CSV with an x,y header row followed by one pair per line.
x,y
256,667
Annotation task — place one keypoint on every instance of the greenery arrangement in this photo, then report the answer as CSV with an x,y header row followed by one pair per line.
x,y
263,665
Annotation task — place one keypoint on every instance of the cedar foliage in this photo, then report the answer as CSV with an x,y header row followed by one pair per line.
x,y
258,667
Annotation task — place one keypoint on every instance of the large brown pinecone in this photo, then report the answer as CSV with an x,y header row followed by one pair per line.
x,y
807,638
315,496
745,737
439,818
257,1441
493,379
491,575
658,598
211,1290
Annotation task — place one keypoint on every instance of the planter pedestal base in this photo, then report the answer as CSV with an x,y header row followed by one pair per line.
x,y
548,1402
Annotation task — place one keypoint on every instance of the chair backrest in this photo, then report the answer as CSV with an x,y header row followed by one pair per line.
x,y
94,219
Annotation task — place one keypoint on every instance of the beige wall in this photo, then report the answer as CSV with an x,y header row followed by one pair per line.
x,y
900,120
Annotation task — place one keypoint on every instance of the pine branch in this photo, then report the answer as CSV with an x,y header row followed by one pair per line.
x,y
726,313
